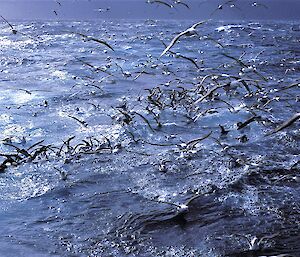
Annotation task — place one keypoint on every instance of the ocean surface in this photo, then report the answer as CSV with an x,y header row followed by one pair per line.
x,y
123,153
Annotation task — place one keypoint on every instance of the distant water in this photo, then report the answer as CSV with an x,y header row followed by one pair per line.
x,y
101,186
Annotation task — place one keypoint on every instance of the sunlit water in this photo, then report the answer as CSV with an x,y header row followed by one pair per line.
x,y
112,202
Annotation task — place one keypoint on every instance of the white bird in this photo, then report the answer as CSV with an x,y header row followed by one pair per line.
x,y
181,208
255,243
255,4
188,32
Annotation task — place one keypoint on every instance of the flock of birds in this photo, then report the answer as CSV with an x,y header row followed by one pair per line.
x,y
155,95
229,3
172,4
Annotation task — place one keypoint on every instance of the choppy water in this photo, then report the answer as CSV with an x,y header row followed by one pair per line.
x,y
123,145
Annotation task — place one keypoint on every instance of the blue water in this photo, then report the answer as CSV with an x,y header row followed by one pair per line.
x,y
111,132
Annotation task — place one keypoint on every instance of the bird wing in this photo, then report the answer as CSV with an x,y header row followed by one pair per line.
x,y
80,34
189,59
174,40
263,5
7,22
162,2
165,202
198,24
214,40
95,39
192,199
259,4
287,123
229,2
184,4
236,59
101,42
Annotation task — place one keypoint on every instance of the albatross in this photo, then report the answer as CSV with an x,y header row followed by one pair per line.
x,y
188,32
14,31
160,2
181,208
89,38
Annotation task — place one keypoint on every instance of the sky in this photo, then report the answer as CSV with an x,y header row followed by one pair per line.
x,y
139,9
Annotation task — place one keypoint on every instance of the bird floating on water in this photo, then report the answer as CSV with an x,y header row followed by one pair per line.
x,y
181,208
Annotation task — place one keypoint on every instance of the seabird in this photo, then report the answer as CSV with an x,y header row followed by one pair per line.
x,y
59,3
12,28
89,38
103,9
244,67
229,3
223,130
241,125
160,2
181,208
255,243
182,3
287,123
255,4
188,32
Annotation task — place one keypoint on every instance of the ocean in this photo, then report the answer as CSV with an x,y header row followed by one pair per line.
x,y
108,149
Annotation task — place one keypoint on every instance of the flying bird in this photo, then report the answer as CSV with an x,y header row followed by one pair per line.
x,y
89,38
59,3
14,31
182,3
255,4
160,2
103,9
55,12
244,67
181,208
188,32
287,123
255,243
229,3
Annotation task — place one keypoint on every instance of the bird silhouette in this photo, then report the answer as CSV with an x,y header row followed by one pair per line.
x,y
287,123
14,31
160,2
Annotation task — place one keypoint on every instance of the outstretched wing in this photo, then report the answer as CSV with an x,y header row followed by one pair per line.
x,y
96,40
182,3
173,42
198,24
160,2
287,123
7,22
101,42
